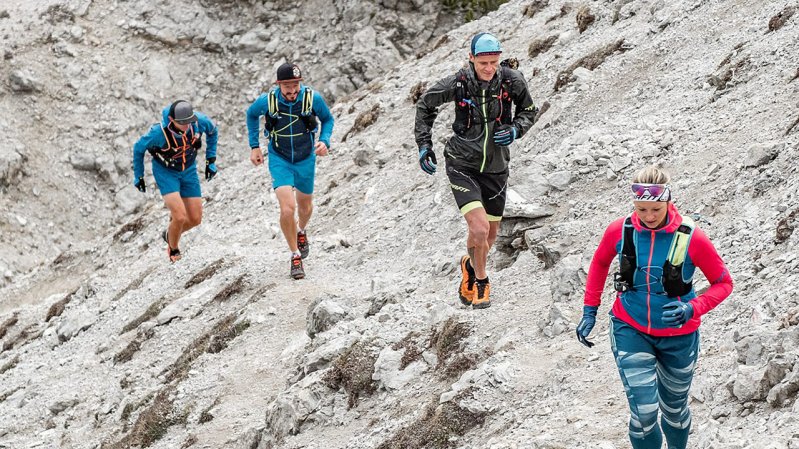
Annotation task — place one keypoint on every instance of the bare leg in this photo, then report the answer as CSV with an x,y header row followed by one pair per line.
x,y
177,210
194,212
304,208
492,233
288,206
477,242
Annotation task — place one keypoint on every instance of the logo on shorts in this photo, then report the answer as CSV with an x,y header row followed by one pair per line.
x,y
459,188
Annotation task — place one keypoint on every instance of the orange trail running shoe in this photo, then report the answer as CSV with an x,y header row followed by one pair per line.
x,y
481,296
466,289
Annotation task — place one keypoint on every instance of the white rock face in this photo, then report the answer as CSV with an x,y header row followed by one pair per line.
x,y
129,200
71,326
99,329
324,316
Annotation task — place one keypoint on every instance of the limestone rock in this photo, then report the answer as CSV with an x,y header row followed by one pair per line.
x,y
72,324
22,81
560,180
761,154
387,370
323,315
129,200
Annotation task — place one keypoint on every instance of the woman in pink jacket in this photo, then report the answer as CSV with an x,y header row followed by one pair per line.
x,y
655,319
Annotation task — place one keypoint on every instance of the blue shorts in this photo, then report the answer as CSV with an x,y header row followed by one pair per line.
x,y
299,175
170,181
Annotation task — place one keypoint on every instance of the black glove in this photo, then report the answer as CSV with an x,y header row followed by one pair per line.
x,y
210,168
427,160
197,144
141,185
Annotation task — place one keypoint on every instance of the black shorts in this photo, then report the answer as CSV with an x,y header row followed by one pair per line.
x,y
473,189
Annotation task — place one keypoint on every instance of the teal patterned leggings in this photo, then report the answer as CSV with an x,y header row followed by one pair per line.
x,y
656,373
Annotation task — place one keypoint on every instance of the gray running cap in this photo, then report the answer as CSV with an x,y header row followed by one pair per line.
x,y
183,113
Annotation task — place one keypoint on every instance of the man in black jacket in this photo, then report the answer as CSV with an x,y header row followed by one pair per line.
x,y
478,152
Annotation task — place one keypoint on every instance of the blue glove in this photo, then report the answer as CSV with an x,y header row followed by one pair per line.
x,y
427,160
210,168
586,325
504,135
677,313
139,184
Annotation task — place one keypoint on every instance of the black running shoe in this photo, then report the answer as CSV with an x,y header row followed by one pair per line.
x,y
297,272
302,244
173,253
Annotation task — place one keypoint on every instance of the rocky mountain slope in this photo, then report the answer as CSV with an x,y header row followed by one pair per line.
x,y
108,345
83,79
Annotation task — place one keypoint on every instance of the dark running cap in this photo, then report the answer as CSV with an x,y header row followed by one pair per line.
x,y
485,44
289,72
182,112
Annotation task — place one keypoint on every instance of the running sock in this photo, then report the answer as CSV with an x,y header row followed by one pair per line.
x,y
295,253
483,281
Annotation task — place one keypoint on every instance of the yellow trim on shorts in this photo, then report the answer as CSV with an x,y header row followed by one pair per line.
x,y
494,218
468,207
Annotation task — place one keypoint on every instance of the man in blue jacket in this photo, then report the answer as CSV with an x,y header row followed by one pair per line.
x,y
290,113
173,145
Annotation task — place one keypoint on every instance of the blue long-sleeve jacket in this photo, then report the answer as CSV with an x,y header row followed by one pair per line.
x,y
155,142
291,140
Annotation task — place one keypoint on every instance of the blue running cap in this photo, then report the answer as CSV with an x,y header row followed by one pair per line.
x,y
485,44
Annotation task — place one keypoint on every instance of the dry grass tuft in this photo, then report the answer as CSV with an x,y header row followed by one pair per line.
x,y
134,226
133,347
205,273
584,18
727,79
781,18
153,423
413,349
8,324
448,339
564,11
230,290
438,427
590,62
190,441
224,336
534,8
151,312
364,120
793,125
353,370
58,308
8,393
786,226
213,341
22,337
9,365
416,91
135,284
541,45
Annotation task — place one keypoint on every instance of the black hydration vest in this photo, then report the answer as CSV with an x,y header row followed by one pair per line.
x,y
464,118
178,153
672,280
